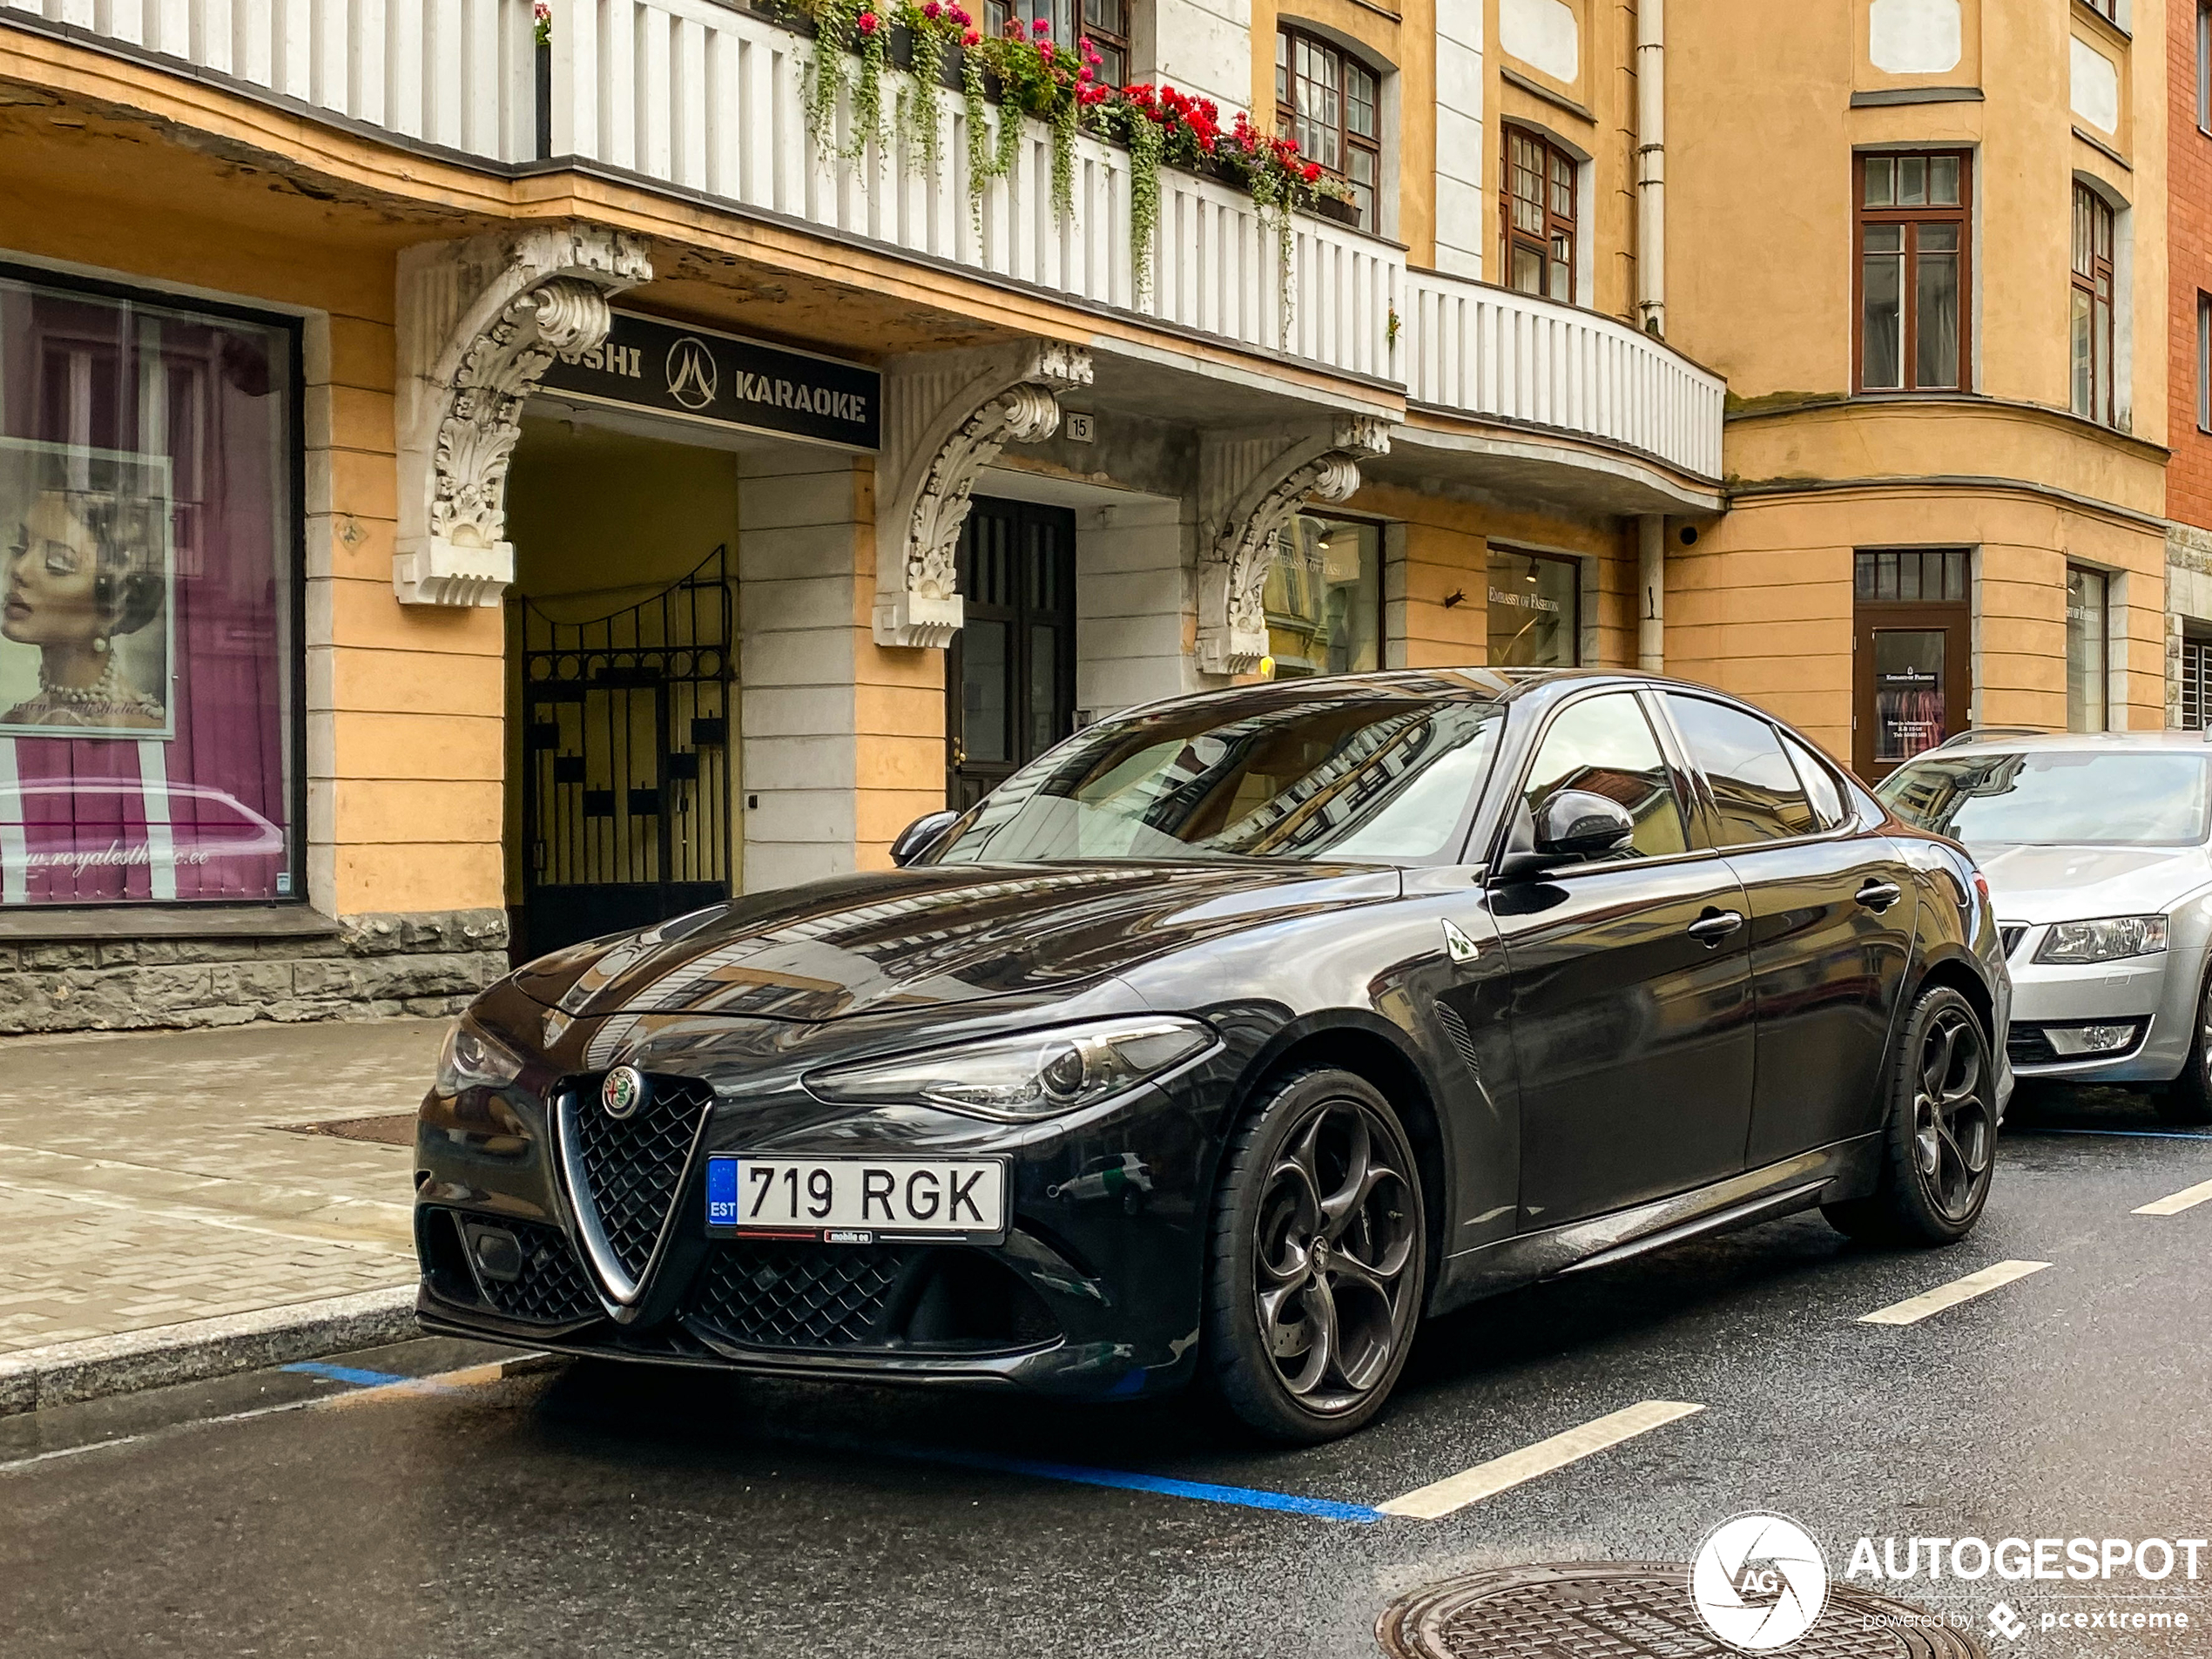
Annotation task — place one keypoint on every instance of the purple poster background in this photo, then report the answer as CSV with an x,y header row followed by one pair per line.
x,y
202,814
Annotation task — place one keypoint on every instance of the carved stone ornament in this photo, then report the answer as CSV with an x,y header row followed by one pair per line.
x,y
947,416
1250,488
479,322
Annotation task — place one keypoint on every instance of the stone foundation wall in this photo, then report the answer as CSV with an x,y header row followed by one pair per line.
x,y
373,966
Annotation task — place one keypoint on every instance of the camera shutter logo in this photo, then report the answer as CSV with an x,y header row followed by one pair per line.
x,y
622,1091
1759,1581
692,376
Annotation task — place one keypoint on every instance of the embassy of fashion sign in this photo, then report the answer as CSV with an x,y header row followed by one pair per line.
x,y
699,374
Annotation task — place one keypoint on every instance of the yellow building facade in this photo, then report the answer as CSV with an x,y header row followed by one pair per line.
x,y
646,496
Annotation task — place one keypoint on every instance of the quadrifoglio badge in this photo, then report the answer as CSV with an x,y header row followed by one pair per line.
x,y
1761,1581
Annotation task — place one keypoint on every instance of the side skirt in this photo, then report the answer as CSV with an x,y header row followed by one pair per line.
x,y
1826,1175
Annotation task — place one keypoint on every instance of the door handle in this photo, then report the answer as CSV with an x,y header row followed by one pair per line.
x,y
1878,896
1714,926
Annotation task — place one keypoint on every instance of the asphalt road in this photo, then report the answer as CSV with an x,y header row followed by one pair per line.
x,y
584,1509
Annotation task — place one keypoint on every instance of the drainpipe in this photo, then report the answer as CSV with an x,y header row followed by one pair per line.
x,y
1651,593
1651,165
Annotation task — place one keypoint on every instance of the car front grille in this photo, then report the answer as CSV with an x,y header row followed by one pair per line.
x,y
805,1295
550,1289
632,1168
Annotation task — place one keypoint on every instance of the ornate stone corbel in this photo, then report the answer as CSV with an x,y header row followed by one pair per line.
x,y
1249,489
479,321
947,416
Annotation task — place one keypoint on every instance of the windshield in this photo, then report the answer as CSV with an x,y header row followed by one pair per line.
x,y
2059,798
1358,775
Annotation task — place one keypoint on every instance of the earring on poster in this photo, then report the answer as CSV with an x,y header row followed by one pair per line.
x,y
100,645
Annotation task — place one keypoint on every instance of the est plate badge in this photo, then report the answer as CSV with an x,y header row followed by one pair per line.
x,y
861,1198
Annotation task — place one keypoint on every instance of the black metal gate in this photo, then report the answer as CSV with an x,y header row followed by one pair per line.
x,y
626,762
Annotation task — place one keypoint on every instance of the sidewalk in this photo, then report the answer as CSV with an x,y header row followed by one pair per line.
x,y
146,1180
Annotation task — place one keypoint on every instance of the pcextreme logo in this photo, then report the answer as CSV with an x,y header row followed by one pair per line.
x,y
1759,1581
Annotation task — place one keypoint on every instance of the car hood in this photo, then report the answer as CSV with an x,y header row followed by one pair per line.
x,y
933,935
2041,884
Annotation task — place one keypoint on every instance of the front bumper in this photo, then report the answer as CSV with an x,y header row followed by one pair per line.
x,y
2156,993
1095,1291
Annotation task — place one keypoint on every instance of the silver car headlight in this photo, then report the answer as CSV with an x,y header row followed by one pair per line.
x,y
2104,940
1021,1079
473,1058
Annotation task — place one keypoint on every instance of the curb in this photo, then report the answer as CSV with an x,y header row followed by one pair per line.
x,y
34,1379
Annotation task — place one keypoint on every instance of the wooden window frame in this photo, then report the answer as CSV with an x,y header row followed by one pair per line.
x,y
997,12
2092,278
2203,361
2204,66
1555,158
1288,112
2108,9
1910,218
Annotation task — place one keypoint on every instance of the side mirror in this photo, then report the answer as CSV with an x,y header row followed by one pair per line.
x,y
921,836
1576,824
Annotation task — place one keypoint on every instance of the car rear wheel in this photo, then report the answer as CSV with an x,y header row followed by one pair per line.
x,y
1941,1146
2187,1099
1319,1256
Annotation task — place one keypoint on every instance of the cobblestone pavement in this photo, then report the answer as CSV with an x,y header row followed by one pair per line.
x,y
144,1179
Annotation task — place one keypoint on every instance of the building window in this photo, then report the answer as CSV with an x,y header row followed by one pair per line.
x,y
1535,610
1911,653
2090,322
2196,683
2204,362
2204,65
1324,598
1913,278
2105,8
1536,217
149,652
1329,104
1103,23
2085,593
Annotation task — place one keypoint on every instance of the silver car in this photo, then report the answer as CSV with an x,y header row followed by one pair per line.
x,y
2095,848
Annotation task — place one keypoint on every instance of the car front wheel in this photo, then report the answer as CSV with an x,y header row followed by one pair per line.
x,y
1940,1145
2187,1099
1319,1255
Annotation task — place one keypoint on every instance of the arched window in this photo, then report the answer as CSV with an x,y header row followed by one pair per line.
x,y
1537,216
1104,23
1329,104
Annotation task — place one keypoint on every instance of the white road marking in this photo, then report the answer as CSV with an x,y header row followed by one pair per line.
x,y
1487,1480
2187,1198
1914,1309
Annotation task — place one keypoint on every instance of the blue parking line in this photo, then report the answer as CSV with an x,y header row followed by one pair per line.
x,y
2128,1133
1082,1474
353,1374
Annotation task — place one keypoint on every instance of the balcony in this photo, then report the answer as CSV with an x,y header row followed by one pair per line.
x,y
707,98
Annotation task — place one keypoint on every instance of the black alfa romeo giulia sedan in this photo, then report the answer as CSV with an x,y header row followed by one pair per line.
x,y
1226,1042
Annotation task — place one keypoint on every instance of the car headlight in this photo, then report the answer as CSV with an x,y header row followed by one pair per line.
x,y
473,1058
1021,1079
2104,940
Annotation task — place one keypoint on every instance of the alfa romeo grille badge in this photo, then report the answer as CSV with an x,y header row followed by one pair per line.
x,y
624,1091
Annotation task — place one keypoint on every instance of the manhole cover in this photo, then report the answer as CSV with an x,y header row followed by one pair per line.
x,y
395,1131
1633,1610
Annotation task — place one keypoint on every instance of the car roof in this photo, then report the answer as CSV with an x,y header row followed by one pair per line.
x,y
2014,740
1501,684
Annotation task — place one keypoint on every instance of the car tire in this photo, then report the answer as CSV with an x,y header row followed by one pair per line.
x,y
1319,1258
2187,1099
1939,1144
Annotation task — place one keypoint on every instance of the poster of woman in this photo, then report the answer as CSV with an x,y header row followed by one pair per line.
x,y
86,600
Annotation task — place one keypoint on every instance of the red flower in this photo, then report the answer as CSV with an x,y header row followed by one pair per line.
x,y
973,37
1041,28
1310,173
1014,30
933,10
1084,74
866,23
959,14
1044,47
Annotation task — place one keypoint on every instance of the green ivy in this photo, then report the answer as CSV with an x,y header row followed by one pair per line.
x,y
1146,145
920,106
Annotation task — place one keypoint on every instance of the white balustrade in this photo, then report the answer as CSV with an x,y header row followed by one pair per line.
x,y
457,73
1492,352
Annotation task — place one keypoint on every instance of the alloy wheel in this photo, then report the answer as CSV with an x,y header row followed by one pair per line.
x,y
1334,1266
1954,1129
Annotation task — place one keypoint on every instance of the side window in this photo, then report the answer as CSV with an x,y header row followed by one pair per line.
x,y
1754,785
1820,782
1605,745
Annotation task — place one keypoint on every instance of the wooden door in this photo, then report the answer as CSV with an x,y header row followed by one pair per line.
x,y
1010,672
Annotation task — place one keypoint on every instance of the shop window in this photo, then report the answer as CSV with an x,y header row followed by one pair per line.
x,y
1103,23
2196,683
149,658
2087,594
1324,598
2090,330
1913,272
1911,653
1535,610
1536,217
1329,104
